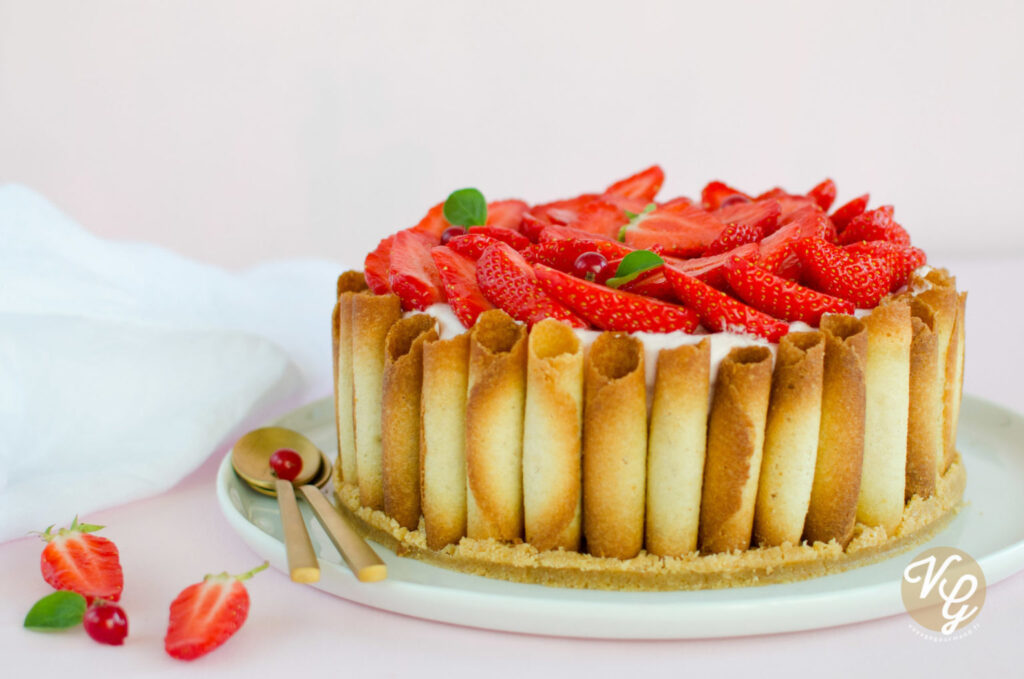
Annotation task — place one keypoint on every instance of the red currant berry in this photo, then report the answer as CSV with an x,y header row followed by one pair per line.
x,y
286,464
452,232
734,199
589,264
106,622
607,271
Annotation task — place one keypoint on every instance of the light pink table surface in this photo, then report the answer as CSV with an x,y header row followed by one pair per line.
x,y
171,540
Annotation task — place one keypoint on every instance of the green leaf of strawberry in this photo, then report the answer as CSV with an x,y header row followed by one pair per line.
x,y
466,207
633,265
59,610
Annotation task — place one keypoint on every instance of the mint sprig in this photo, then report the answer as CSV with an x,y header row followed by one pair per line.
x,y
466,207
632,265
634,219
59,610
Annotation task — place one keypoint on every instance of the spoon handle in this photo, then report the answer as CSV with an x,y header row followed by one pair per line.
x,y
302,563
359,556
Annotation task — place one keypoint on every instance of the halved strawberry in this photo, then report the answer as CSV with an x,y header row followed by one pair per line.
x,y
711,269
74,559
509,282
843,215
654,284
561,254
874,224
376,265
830,269
805,223
679,233
434,224
762,214
676,204
601,218
560,232
206,614
611,309
644,185
412,274
471,245
794,204
824,194
779,297
902,259
458,275
715,193
734,236
555,212
507,214
721,313
504,234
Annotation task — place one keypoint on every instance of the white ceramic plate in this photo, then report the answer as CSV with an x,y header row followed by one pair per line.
x,y
990,528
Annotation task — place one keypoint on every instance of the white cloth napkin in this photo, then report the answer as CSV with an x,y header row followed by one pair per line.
x,y
123,365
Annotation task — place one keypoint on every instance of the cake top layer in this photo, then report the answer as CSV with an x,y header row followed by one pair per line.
x,y
622,260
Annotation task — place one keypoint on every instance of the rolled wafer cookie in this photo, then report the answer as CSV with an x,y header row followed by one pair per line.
x,y
790,440
832,512
924,422
349,283
552,427
886,412
954,386
372,317
676,446
736,429
443,440
614,446
943,300
400,422
494,427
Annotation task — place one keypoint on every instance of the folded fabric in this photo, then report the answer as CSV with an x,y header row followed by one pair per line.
x,y
123,365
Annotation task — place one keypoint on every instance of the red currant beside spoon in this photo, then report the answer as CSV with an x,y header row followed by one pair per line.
x,y
286,463
106,622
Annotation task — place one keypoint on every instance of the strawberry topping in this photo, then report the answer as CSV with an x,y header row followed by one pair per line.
x,y
643,186
863,280
843,215
509,282
412,274
458,275
779,297
721,313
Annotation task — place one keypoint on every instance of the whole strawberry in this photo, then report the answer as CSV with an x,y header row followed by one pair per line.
x,y
74,559
206,614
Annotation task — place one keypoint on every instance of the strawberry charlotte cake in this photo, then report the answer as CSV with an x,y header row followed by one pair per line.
x,y
616,391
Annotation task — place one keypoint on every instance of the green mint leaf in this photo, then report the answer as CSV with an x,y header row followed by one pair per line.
x,y
466,207
632,265
634,219
59,610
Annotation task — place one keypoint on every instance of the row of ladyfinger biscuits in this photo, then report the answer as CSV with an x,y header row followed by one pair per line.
x,y
507,434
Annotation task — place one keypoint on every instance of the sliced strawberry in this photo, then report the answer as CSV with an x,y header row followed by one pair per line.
x,y
734,236
680,233
843,215
532,225
779,297
903,260
611,309
644,185
601,218
762,214
555,211
471,245
721,313
794,204
776,193
715,193
775,249
206,614
874,224
560,232
375,268
830,269
74,559
507,214
434,224
561,254
509,282
654,285
504,234
711,269
824,194
458,275
676,204
412,274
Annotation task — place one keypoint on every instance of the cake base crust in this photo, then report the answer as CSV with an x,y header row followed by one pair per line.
x,y
922,519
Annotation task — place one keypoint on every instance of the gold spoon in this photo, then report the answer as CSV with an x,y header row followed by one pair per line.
x,y
251,460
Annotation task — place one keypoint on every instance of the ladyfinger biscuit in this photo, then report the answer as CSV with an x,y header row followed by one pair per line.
x,y
954,386
924,423
614,446
675,448
832,512
400,421
943,300
736,429
886,409
443,440
349,283
552,427
790,440
372,317
494,427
